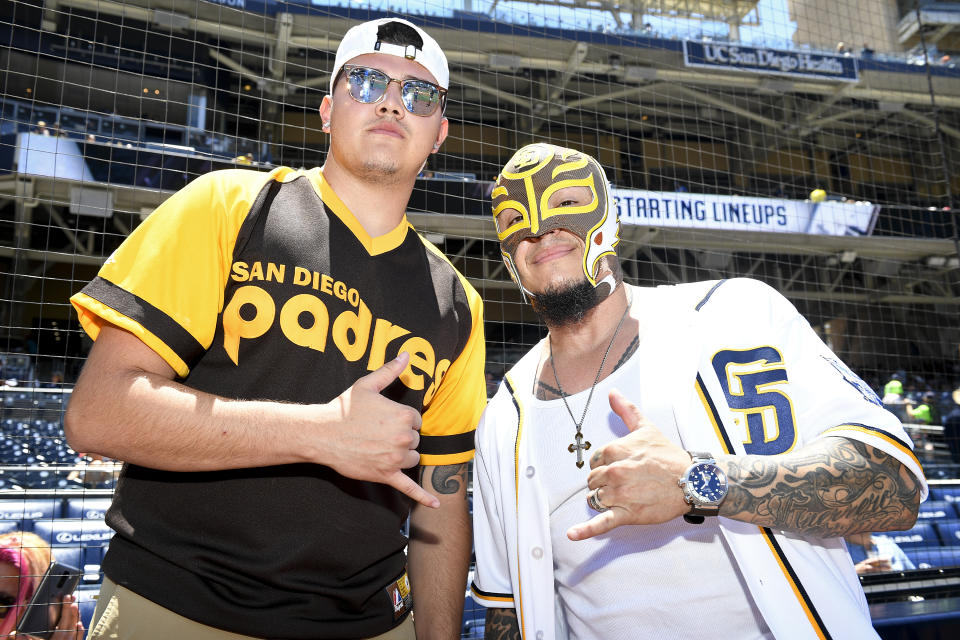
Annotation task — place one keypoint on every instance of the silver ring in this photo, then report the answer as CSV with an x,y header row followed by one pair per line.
x,y
593,499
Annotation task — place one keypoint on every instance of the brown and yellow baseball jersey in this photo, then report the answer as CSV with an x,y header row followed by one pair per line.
x,y
265,286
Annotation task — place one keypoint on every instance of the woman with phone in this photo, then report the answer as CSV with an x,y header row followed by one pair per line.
x,y
24,559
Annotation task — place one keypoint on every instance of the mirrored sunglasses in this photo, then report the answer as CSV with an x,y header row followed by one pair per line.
x,y
369,86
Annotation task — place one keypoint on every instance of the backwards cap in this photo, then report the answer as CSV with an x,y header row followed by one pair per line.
x,y
381,36
525,185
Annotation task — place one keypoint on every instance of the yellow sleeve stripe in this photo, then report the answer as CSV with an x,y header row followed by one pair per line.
x,y
878,433
488,595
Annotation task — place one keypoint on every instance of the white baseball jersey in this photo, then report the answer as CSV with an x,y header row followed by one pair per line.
x,y
728,367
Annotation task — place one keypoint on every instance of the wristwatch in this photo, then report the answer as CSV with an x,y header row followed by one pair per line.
x,y
704,487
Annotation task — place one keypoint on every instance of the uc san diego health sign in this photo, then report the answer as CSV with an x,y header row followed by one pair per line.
x,y
797,64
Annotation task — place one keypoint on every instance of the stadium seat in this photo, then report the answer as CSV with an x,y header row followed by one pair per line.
x,y
6,526
24,513
937,510
87,508
87,601
474,618
949,532
921,535
72,556
90,535
926,558
947,493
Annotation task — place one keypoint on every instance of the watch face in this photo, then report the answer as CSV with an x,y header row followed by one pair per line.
x,y
708,481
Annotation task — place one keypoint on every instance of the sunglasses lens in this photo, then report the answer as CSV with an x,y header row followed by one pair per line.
x,y
367,85
420,98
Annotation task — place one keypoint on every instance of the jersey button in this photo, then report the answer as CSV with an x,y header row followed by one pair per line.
x,y
539,635
530,472
537,553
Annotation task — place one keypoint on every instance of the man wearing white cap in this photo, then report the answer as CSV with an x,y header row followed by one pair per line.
x,y
279,359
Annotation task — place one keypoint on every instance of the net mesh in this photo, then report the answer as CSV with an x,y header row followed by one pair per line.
x,y
811,144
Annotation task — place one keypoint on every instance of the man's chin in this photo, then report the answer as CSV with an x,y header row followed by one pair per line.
x,y
566,303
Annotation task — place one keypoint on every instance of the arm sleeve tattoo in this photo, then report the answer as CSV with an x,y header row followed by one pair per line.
x,y
501,624
833,487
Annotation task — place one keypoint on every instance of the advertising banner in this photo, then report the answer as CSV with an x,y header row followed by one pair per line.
x,y
784,62
741,213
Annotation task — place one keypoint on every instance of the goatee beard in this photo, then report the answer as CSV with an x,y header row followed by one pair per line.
x,y
565,304
380,172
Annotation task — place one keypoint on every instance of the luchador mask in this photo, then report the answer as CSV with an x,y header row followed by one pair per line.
x,y
532,175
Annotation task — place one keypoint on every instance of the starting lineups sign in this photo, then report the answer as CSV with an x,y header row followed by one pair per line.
x,y
784,62
738,213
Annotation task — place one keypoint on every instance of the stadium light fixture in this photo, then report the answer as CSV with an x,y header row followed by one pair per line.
x,y
633,73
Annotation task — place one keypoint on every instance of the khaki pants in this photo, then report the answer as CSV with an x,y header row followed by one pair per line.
x,y
146,620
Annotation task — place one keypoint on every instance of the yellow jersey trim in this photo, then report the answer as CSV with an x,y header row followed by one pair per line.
x,y
374,246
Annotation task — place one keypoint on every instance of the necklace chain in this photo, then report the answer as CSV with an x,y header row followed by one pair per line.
x,y
579,447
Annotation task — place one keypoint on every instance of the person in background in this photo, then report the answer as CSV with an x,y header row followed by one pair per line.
x,y
874,553
951,426
24,558
922,413
893,400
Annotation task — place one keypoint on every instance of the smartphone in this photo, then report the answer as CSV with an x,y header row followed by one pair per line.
x,y
41,617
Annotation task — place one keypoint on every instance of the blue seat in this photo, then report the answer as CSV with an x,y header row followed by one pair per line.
x,y
921,535
72,556
949,532
948,493
86,559
24,513
926,558
87,508
90,535
474,618
6,526
937,510
87,601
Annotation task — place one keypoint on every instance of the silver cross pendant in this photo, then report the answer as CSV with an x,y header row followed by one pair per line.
x,y
579,447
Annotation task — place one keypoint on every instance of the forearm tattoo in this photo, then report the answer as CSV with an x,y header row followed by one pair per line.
x,y
501,624
446,479
833,488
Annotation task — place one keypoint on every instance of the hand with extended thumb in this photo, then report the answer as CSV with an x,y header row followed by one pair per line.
x,y
633,478
379,437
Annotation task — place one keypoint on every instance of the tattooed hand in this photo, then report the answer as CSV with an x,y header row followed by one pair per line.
x,y
636,476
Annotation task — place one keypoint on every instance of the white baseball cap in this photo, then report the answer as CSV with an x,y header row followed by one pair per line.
x,y
367,38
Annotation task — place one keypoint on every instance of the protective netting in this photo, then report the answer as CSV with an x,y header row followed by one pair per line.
x,y
811,144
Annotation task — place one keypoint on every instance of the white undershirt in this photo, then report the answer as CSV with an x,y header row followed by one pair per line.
x,y
673,580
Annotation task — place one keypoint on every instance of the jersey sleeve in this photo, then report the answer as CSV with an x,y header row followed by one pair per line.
x,y
824,395
452,414
165,282
491,586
